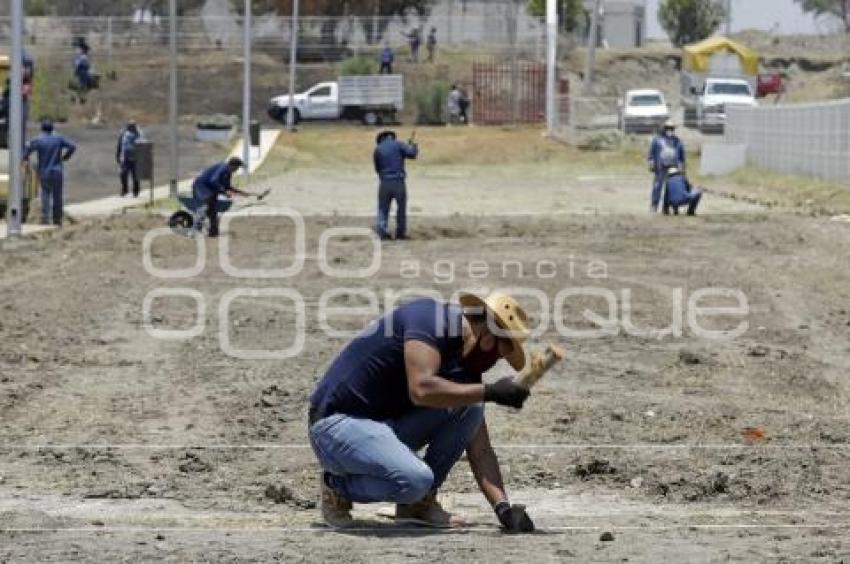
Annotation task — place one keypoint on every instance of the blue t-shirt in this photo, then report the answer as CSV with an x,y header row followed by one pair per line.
x,y
677,191
368,378
52,150
389,158
212,181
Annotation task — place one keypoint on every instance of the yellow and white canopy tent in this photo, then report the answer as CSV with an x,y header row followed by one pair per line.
x,y
698,55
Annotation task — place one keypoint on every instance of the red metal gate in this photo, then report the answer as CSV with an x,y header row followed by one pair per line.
x,y
508,92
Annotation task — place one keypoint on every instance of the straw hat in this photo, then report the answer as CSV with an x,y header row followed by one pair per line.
x,y
509,316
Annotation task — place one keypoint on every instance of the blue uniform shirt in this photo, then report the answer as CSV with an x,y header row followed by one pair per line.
x,y
656,148
82,67
213,181
52,150
387,55
126,151
390,156
677,190
368,378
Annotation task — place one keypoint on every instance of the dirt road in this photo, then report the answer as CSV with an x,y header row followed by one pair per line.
x,y
118,442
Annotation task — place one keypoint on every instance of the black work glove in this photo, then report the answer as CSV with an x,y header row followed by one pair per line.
x,y
506,392
513,518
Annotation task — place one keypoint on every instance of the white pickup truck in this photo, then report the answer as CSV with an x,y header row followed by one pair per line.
x,y
373,99
718,94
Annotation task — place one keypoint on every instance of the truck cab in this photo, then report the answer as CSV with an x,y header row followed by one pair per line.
x,y
717,95
321,101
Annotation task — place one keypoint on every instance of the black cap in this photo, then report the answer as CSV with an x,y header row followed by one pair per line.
x,y
235,162
47,126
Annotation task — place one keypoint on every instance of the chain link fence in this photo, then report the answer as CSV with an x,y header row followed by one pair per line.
x,y
499,30
806,139
582,117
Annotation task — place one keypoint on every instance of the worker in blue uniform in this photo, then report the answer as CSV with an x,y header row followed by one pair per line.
x,y
52,150
665,151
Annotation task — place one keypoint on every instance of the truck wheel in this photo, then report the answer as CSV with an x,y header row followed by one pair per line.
x,y
371,118
281,114
277,114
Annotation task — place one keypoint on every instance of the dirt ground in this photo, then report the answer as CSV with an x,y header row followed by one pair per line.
x,y
117,444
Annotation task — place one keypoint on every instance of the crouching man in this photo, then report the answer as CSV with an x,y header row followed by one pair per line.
x,y
412,380
678,193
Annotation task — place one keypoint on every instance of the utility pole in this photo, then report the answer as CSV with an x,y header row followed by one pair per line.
x,y
728,17
293,51
376,22
592,40
246,89
16,125
173,163
551,63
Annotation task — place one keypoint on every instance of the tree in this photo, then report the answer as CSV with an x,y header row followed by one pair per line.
x,y
571,13
836,8
688,21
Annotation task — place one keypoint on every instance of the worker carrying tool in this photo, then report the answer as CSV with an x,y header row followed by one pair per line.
x,y
411,380
665,151
389,158
215,180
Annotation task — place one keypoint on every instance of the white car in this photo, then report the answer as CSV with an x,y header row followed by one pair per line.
x,y
643,111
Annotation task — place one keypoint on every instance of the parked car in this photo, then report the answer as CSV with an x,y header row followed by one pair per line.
x,y
373,99
719,94
642,111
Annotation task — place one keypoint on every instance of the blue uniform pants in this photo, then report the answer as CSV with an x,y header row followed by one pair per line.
x,y
691,200
128,172
51,199
657,188
368,461
388,191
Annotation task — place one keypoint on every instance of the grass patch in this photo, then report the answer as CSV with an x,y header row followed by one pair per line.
x,y
786,190
347,147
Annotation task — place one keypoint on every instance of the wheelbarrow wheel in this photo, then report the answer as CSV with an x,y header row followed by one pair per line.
x,y
181,221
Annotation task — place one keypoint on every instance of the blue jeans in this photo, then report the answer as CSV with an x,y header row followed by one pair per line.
x,y
371,460
51,199
388,191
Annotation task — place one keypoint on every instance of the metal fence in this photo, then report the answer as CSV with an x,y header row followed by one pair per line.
x,y
496,30
582,115
806,139
508,92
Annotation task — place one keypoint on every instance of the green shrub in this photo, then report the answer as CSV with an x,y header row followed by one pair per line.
x,y
49,96
357,66
431,100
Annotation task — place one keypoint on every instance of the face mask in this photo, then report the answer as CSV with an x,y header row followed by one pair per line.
x,y
479,361
668,133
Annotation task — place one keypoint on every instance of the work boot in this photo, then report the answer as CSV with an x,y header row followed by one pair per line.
x,y
336,509
427,512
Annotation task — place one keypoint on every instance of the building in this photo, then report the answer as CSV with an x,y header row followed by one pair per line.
x,y
622,23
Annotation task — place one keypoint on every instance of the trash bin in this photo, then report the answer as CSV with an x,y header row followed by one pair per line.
x,y
4,133
254,130
144,160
